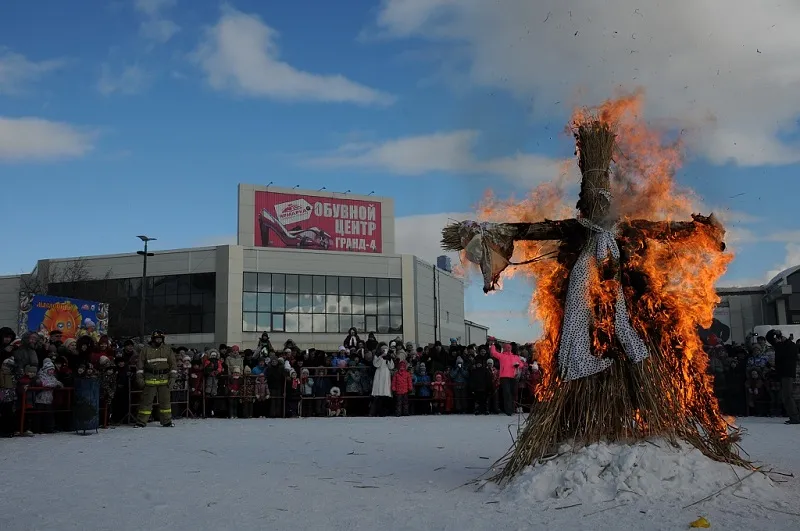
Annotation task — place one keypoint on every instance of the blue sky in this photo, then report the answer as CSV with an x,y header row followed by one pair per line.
x,y
125,117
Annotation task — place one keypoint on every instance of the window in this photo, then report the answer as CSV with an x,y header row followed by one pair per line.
x,y
306,284
292,284
332,286
317,304
177,304
264,283
370,287
264,322
383,287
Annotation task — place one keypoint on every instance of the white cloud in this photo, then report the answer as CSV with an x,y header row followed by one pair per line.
x,y
16,71
729,80
791,259
156,27
439,152
240,54
130,80
33,138
153,8
421,235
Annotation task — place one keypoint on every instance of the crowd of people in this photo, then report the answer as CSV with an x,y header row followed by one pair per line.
x,y
361,377
752,379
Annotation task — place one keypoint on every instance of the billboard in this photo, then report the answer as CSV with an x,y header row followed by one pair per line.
x,y
720,326
44,313
303,221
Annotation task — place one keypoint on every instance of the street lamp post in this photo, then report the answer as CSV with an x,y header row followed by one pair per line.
x,y
144,254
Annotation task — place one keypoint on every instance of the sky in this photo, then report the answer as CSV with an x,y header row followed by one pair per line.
x,y
120,118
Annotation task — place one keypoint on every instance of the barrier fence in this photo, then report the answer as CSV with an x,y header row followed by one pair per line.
x,y
214,399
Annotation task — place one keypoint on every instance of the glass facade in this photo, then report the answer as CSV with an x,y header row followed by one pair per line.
x,y
277,302
176,304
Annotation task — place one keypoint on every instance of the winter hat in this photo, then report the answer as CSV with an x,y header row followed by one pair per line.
x,y
88,323
304,372
247,370
335,391
421,367
293,373
9,361
459,360
235,348
490,362
47,365
287,351
104,360
31,368
69,342
535,365
342,348
237,370
213,354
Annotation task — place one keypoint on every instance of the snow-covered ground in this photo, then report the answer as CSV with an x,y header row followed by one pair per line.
x,y
349,474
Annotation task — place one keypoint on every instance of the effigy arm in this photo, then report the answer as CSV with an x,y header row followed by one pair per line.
x,y
677,230
491,245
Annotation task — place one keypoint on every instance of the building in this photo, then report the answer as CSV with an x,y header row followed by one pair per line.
x,y
307,266
475,333
776,303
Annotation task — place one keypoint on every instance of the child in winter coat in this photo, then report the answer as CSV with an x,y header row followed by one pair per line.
x,y
402,383
234,392
261,407
44,420
494,391
757,396
248,393
335,403
212,369
26,399
438,394
294,394
459,375
480,385
422,384
108,382
321,388
196,385
307,386
8,395
119,406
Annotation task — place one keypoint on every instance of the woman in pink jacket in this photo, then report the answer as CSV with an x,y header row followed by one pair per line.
x,y
509,362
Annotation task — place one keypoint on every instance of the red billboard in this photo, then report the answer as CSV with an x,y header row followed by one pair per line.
x,y
302,221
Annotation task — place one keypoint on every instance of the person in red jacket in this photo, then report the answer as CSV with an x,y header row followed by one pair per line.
x,y
509,363
402,383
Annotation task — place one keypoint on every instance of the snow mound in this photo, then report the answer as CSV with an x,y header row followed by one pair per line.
x,y
654,471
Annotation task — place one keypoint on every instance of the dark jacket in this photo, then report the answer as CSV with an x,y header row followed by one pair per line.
x,y
786,359
480,378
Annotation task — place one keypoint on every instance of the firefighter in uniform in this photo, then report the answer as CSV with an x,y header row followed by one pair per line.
x,y
155,372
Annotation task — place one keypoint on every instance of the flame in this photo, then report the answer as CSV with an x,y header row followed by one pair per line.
x,y
680,272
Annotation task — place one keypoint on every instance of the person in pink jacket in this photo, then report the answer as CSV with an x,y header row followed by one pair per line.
x,y
509,362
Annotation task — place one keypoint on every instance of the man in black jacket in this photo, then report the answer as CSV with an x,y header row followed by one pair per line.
x,y
786,366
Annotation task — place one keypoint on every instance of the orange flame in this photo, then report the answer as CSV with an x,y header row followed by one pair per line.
x,y
681,272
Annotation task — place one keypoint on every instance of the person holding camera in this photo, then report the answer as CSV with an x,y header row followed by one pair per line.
x,y
785,366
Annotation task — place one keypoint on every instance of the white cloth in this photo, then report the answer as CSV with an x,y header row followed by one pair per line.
x,y
575,358
382,384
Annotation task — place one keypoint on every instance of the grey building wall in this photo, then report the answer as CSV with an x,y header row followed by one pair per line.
x,y
439,304
474,333
747,310
9,301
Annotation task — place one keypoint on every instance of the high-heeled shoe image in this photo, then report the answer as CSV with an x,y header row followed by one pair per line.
x,y
311,238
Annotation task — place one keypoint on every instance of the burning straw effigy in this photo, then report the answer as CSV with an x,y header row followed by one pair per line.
x,y
622,360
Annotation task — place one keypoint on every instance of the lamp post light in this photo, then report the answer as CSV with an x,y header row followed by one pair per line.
x,y
144,254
